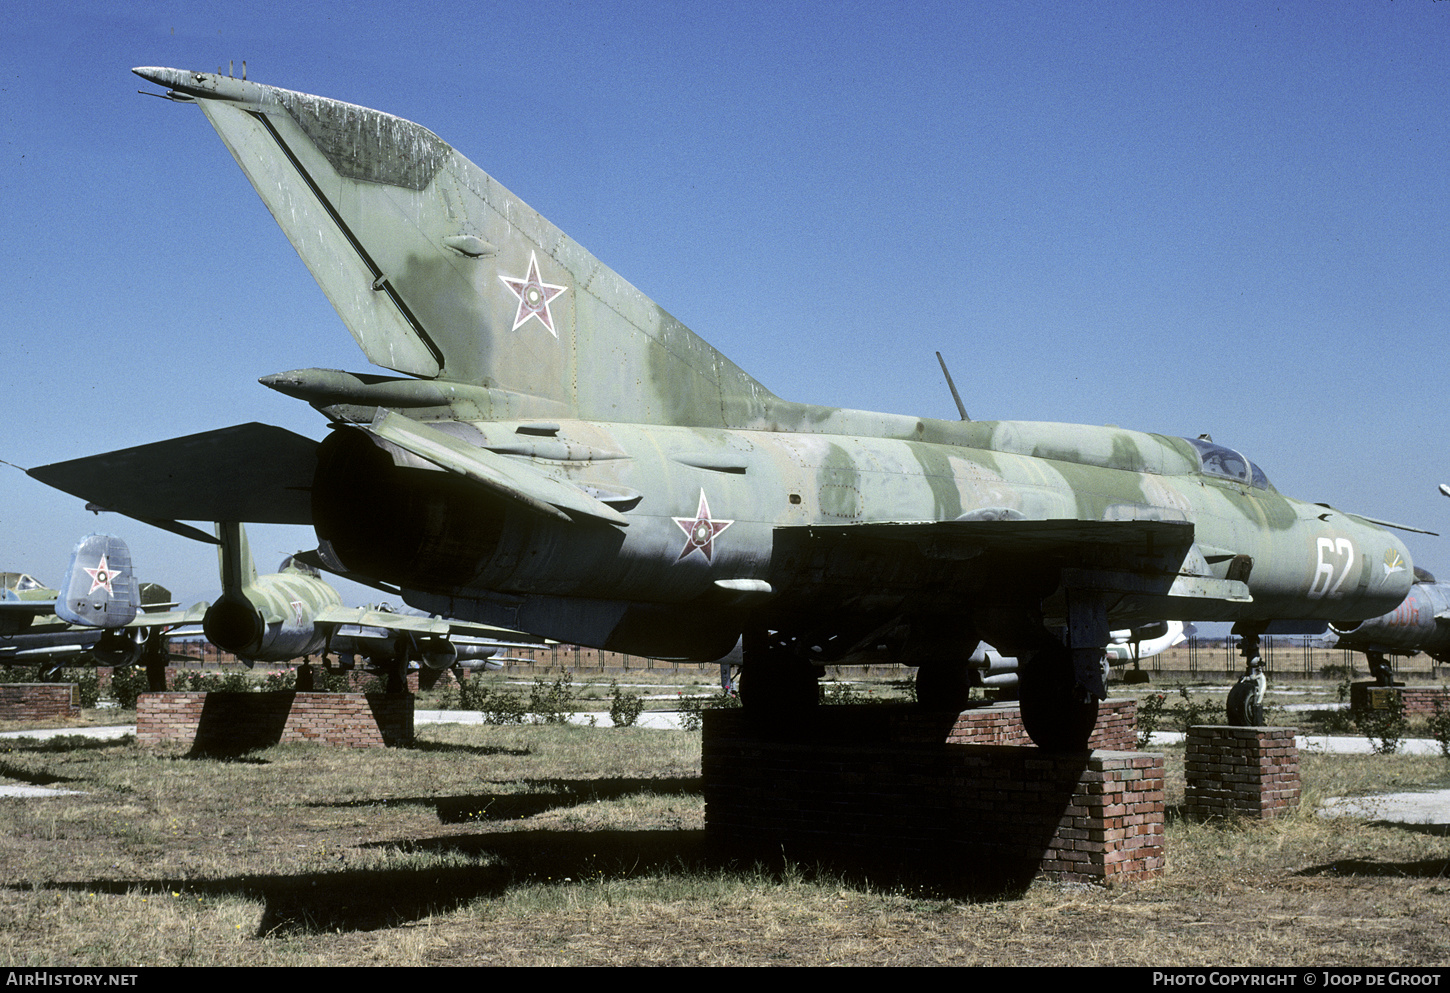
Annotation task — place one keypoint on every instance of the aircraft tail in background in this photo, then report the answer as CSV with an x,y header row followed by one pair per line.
x,y
100,588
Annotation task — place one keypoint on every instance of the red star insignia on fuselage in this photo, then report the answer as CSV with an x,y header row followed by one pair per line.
x,y
534,295
101,577
700,531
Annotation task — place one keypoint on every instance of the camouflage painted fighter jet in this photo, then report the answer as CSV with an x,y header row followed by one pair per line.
x,y
556,454
294,614
93,618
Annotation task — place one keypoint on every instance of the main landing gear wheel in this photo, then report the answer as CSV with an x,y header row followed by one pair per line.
x,y
943,686
1058,716
1246,702
779,692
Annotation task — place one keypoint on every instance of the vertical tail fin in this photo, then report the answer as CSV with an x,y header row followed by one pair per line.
x,y
440,272
100,588
234,558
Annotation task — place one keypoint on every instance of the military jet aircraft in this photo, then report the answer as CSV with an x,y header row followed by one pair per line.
x,y
556,454
1419,624
294,614
93,618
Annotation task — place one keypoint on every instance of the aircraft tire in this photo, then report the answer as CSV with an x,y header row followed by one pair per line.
x,y
1245,710
943,686
778,691
1055,719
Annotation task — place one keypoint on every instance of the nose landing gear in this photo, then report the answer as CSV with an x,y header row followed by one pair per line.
x,y
1246,699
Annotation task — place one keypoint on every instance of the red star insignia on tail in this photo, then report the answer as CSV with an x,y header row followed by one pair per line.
x,y
534,295
101,577
700,530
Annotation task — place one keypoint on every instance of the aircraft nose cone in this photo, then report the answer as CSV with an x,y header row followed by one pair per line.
x,y
170,78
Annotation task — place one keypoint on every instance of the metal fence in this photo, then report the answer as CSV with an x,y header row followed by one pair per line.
x,y
1295,656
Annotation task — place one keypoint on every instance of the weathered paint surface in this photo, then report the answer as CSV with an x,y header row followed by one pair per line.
x,y
566,441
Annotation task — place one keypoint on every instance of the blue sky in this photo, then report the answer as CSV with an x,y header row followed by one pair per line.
x,y
1182,218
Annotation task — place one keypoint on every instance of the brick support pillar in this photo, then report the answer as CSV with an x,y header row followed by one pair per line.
x,y
879,789
234,722
39,701
1241,772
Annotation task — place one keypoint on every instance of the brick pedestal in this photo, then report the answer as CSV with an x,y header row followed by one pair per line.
x,y
1418,700
1241,772
1001,724
39,701
1421,700
234,722
880,788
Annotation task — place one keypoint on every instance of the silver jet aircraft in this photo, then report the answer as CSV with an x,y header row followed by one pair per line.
x,y
1421,623
94,618
554,453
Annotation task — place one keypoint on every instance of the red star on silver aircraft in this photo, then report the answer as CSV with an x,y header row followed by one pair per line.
x,y
534,295
700,530
101,577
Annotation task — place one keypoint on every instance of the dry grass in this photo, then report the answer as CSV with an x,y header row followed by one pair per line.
x,y
577,846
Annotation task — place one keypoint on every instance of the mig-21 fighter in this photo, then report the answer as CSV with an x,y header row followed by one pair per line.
x,y
552,452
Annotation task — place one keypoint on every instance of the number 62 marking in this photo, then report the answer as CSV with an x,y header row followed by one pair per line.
x,y
1342,548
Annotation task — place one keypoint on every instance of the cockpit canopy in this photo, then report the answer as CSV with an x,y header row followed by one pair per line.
x,y
20,582
293,564
1225,463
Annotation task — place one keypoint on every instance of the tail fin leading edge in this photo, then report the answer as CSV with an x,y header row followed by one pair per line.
x,y
440,272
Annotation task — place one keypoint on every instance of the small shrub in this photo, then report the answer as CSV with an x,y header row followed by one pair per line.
x,y
1385,729
1150,715
127,685
692,708
494,706
504,707
1189,714
1342,690
839,692
209,682
906,687
551,703
280,681
624,707
1439,724
1337,721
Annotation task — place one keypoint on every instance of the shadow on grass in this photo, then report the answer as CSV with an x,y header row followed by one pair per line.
x,y
545,795
350,900
556,794
482,750
1419,869
68,743
32,776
